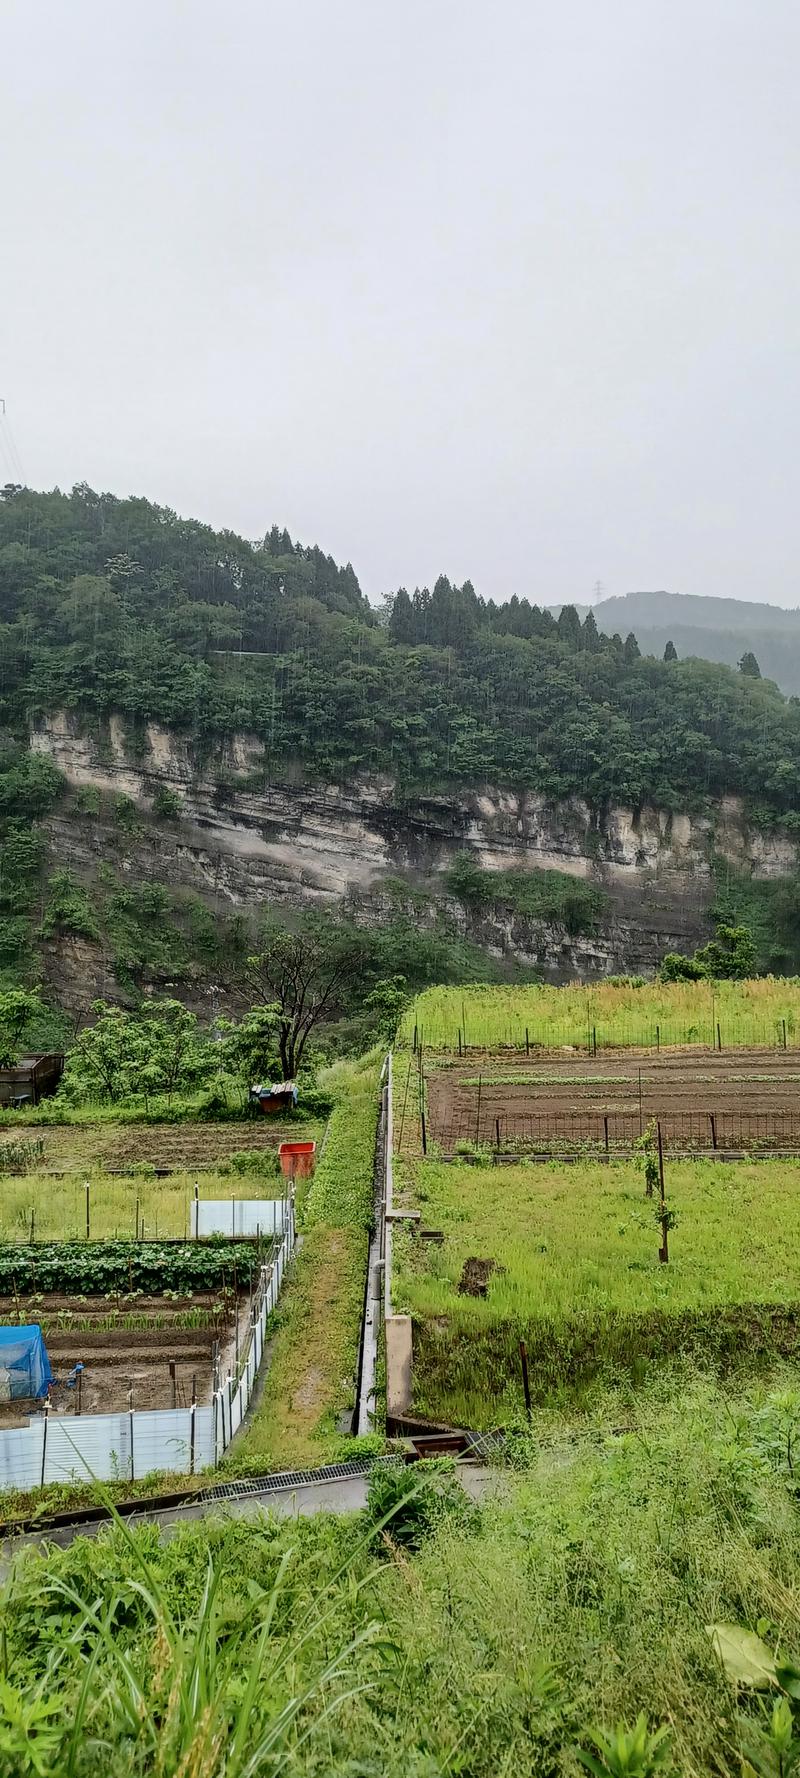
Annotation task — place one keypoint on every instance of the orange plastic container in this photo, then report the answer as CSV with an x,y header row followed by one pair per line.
x,y
298,1159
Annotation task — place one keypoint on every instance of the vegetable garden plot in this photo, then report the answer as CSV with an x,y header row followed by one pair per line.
x,y
705,1101
145,1321
66,1442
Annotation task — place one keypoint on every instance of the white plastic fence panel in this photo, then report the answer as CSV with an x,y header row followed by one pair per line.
x,y
93,1445
21,1456
162,1440
236,1216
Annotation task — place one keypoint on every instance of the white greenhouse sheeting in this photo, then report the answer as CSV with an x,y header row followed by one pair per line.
x,y
119,1447
237,1216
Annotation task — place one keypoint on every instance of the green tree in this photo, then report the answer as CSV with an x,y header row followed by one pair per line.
x,y
569,626
675,967
383,1008
670,652
731,955
749,666
19,1010
308,973
250,1049
157,1049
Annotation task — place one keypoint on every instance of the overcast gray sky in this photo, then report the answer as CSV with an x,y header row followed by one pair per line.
x,y
506,290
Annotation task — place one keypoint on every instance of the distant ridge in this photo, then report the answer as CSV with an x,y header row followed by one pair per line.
x,y
714,629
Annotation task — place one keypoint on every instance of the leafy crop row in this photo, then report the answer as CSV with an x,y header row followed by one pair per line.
x,y
91,1267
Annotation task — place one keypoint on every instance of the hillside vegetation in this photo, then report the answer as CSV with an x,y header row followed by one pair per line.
x,y
109,604
606,1013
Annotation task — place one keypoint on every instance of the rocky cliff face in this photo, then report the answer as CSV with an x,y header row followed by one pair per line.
x,y
244,839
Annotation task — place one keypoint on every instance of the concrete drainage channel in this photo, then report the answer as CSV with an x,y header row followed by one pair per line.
x,y
339,1487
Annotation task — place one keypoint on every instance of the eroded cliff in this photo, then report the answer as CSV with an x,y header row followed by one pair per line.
x,y
242,839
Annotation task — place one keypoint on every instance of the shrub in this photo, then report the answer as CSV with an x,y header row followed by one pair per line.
x,y
167,804
68,908
409,1501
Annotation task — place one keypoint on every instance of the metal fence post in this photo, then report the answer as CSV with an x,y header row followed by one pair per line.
x,y
44,1436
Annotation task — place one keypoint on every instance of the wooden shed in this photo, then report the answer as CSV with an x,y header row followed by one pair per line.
x,y
32,1078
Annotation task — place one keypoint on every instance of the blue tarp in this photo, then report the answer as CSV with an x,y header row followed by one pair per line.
x,y
24,1364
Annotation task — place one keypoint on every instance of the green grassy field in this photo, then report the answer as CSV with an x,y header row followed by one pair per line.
x,y
578,1274
58,1204
748,1013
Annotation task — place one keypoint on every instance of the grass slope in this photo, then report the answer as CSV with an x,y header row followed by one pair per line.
x,y
310,1378
487,1643
579,1277
686,1012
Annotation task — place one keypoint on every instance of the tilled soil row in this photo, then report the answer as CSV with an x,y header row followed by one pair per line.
x,y
755,1095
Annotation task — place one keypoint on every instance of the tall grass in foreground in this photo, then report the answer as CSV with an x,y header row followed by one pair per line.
x,y
576,1598
747,1013
195,1694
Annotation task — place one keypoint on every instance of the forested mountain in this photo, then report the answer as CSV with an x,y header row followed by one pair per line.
x,y
109,604
715,629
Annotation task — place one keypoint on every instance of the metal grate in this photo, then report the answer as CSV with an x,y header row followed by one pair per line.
x,y
290,1478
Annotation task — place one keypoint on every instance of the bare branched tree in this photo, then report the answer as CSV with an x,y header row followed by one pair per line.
x,y
304,972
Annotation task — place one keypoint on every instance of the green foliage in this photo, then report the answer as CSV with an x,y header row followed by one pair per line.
x,y
468,881
249,1050
29,786
677,968
178,1686
68,908
771,1749
731,956
126,815
550,895
20,1010
770,908
263,1162
648,1148
87,801
628,1753
158,1049
383,1009
19,1156
208,633
167,804
82,1268
407,1501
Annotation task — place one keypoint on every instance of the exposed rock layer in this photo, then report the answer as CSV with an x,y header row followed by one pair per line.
x,y
244,839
